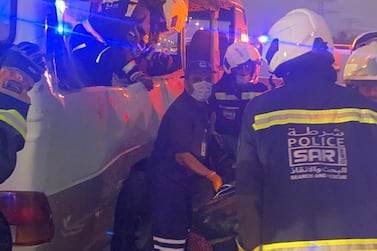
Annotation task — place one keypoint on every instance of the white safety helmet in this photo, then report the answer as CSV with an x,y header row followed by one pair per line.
x,y
22,67
293,35
176,12
239,53
362,64
364,39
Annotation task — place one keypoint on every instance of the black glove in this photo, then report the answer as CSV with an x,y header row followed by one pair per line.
x,y
128,69
160,63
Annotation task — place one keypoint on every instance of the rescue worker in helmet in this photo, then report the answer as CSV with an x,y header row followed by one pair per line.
x,y
238,85
360,71
306,162
110,41
21,67
113,41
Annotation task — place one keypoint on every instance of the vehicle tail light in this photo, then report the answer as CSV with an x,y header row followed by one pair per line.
x,y
29,216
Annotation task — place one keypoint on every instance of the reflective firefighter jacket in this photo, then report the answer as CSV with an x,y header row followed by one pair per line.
x,y
307,170
12,132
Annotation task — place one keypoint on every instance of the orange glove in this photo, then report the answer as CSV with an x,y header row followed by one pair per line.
x,y
216,180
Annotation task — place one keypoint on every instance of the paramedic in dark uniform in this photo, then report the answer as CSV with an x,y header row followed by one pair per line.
x,y
306,164
178,161
22,66
238,85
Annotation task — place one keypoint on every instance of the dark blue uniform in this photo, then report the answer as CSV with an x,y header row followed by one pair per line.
x,y
183,129
98,45
307,162
96,59
228,101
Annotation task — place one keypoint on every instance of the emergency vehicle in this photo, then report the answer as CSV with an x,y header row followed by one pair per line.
x,y
82,142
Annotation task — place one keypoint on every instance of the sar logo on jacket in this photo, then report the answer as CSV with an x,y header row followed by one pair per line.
x,y
316,154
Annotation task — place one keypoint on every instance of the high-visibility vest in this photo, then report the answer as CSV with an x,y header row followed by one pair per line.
x,y
14,119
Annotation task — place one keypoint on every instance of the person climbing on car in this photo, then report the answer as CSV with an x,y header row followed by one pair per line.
x,y
22,66
109,41
178,166
113,41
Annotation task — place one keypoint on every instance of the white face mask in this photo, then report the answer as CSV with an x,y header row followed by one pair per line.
x,y
201,90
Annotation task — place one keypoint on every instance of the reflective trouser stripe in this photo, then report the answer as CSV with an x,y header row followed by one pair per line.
x,y
164,244
157,247
15,120
322,245
239,247
332,116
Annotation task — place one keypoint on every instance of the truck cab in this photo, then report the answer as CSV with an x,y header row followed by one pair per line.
x,y
82,141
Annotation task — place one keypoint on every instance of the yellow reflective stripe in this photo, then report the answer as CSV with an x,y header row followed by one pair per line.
x,y
248,95
224,96
244,96
130,9
332,116
15,120
341,244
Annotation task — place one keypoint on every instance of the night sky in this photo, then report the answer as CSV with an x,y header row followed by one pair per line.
x,y
351,17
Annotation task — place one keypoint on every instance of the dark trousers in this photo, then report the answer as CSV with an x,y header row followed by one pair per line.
x,y
172,203
5,235
94,60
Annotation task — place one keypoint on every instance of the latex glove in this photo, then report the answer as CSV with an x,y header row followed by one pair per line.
x,y
216,180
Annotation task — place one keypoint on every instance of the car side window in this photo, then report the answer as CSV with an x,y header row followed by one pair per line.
x,y
8,12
